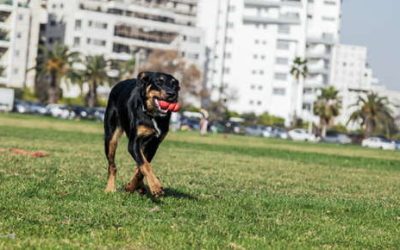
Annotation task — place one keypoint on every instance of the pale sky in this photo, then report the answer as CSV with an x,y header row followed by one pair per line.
x,y
375,24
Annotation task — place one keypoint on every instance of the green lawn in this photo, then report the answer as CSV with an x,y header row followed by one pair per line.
x,y
221,193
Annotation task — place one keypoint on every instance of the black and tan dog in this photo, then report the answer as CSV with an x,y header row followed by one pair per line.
x,y
134,108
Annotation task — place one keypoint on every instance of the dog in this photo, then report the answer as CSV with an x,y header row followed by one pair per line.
x,y
134,108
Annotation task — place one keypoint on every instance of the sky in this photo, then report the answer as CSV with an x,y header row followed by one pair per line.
x,y
376,25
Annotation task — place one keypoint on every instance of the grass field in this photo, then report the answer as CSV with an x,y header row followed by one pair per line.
x,y
221,193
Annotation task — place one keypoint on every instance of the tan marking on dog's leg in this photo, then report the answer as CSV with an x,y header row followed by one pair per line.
x,y
136,182
153,182
112,169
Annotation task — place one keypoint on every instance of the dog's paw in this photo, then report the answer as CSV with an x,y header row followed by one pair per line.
x,y
110,189
157,192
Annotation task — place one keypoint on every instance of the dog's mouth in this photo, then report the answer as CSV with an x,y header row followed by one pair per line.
x,y
164,107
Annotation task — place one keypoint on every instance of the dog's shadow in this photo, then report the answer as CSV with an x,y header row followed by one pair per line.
x,y
174,193
171,193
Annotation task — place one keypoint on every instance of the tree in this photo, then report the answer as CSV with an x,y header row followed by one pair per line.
x,y
126,68
327,107
189,76
55,64
95,74
299,70
374,114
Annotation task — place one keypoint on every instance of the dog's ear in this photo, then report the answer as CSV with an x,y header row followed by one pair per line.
x,y
143,78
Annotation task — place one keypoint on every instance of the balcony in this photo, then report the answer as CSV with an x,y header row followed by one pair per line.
x,y
318,54
282,19
144,34
271,3
6,2
327,39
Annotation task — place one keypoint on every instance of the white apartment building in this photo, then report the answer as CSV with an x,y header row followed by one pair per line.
x,y
252,44
119,29
322,34
351,75
19,31
252,48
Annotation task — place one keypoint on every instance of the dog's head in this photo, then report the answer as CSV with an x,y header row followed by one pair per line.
x,y
157,89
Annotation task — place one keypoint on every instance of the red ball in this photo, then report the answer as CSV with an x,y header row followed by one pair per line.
x,y
171,106
163,104
177,107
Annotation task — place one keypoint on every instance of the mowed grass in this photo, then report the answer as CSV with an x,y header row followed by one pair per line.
x,y
222,192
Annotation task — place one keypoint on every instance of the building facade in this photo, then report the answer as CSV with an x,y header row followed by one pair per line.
x,y
252,44
351,75
19,29
119,29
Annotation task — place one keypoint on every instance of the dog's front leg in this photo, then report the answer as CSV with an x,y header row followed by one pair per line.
x,y
144,169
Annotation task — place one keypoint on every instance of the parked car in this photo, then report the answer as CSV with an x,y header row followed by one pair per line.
x,y
59,111
38,108
302,135
397,144
254,130
334,137
379,142
21,107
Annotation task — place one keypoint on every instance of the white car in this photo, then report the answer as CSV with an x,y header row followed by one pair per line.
x,y
378,142
301,135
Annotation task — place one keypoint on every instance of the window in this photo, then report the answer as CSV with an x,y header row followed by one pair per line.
x,y
259,103
307,106
229,40
256,41
284,29
19,35
282,45
230,25
279,91
77,41
17,53
255,56
261,72
194,39
330,19
20,17
78,24
329,2
15,71
228,55
280,76
227,70
99,42
282,60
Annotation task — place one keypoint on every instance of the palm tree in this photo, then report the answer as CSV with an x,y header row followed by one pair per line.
x,y
127,68
95,74
55,64
299,70
374,113
327,107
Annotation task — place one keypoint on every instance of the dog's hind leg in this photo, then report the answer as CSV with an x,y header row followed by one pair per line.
x,y
112,134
